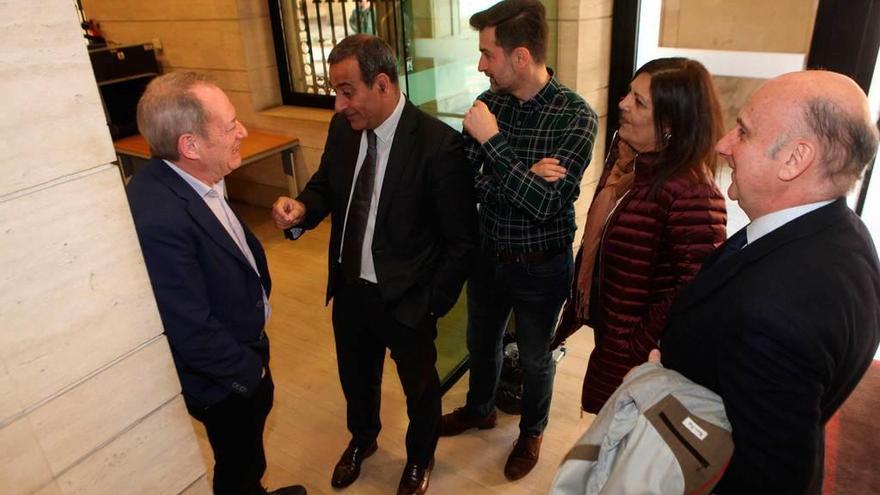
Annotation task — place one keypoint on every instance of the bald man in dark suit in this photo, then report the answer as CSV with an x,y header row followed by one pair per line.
x,y
784,319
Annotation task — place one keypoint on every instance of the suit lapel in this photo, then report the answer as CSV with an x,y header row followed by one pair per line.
x,y
200,212
398,157
716,276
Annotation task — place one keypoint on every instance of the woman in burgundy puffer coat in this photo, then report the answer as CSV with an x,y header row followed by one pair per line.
x,y
656,216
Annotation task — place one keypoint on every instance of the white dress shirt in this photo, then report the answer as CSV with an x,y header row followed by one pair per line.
x,y
384,138
768,223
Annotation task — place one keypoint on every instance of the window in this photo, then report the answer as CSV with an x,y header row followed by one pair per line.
x,y
305,31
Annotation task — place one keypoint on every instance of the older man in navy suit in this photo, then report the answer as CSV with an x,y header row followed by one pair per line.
x,y
784,319
208,272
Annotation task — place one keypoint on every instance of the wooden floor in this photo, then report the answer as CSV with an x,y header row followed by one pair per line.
x,y
306,430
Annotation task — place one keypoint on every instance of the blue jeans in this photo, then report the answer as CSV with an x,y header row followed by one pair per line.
x,y
534,291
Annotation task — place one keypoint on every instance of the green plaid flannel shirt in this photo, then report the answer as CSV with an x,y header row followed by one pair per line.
x,y
519,211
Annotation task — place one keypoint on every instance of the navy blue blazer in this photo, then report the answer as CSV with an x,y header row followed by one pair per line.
x,y
782,330
209,297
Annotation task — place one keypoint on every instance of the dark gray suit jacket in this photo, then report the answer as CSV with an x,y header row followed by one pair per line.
x,y
426,225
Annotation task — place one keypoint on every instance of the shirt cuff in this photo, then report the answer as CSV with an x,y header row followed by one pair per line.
x,y
494,148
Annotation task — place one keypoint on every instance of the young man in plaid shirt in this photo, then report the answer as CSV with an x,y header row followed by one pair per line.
x,y
526,124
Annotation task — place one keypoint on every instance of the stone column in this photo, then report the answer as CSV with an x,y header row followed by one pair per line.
x,y
89,399
583,63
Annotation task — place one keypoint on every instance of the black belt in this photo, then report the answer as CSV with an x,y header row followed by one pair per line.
x,y
535,257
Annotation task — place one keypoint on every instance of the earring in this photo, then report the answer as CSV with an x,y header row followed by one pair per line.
x,y
667,136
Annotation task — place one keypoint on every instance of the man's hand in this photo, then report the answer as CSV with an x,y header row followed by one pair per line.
x,y
287,212
548,169
480,123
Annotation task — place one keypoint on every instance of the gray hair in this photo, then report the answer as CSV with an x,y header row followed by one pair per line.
x,y
849,142
169,109
373,56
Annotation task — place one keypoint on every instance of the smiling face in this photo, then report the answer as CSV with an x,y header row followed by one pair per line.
x,y
496,64
362,105
220,147
637,115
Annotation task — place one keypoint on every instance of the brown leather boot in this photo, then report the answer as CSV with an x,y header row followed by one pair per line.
x,y
459,421
523,457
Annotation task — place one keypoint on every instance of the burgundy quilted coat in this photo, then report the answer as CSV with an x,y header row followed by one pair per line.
x,y
650,248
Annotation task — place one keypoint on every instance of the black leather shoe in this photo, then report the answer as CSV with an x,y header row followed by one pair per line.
x,y
349,466
415,479
289,490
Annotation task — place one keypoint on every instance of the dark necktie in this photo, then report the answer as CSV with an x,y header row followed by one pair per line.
x,y
734,244
358,212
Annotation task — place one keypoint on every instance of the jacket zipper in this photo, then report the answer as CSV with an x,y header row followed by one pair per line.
x,y
612,215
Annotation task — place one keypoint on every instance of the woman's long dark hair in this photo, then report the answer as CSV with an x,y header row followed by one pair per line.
x,y
687,117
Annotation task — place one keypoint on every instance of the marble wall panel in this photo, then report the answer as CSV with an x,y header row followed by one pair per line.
x,y
75,300
265,87
71,426
23,468
79,296
252,8
51,103
598,99
200,487
10,405
586,68
196,44
50,489
160,453
584,9
159,10
259,47
226,79
594,54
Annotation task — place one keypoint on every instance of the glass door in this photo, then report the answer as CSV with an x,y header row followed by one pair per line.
x,y
441,57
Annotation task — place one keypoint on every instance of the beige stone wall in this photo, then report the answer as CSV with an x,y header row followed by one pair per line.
x,y
743,25
583,54
230,40
89,400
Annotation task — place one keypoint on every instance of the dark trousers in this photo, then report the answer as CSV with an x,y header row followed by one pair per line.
x,y
235,431
534,291
364,328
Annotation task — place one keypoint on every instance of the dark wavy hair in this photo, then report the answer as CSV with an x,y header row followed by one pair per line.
x,y
517,23
687,117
